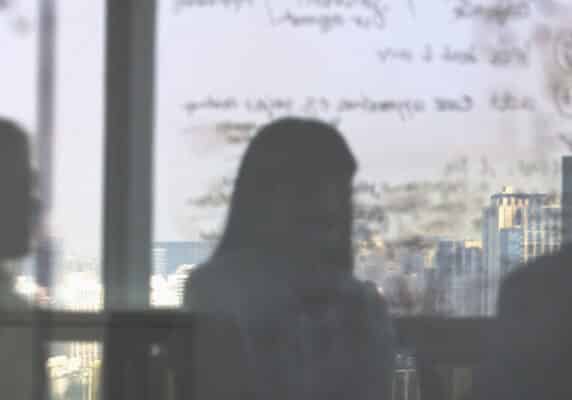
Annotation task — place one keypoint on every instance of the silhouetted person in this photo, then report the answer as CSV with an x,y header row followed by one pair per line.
x,y
16,204
281,283
531,346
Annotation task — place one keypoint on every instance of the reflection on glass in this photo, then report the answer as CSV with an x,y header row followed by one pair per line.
x,y
457,129
173,263
75,222
405,379
74,371
18,103
453,382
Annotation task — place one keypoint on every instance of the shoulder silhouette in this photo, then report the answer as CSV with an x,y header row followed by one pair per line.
x,y
531,345
16,206
15,185
282,275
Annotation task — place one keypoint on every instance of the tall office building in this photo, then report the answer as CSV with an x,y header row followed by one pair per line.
x,y
169,256
467,282
458,264
169,291
517,227
510,248
567,199
179,280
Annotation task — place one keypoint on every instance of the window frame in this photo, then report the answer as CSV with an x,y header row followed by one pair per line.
x,y
128,181
128,211
129,120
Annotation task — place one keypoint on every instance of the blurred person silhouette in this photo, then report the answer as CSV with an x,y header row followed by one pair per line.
x,y
283,316
531,343
16,211
15,206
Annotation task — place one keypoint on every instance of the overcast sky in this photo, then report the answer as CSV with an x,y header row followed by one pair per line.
x,y
227,52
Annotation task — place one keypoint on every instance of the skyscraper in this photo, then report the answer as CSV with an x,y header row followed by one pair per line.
x,y
510,249
567,199
169,256
459,265
517,227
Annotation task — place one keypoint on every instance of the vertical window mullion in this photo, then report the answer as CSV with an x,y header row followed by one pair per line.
x,y
128,153
127,231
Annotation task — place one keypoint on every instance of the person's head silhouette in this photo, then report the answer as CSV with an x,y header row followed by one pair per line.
x,y
16,203
293,193
283,278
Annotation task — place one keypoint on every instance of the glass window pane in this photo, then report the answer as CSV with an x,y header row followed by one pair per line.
x,y
73,225
74,371
66,235
18,98
405,380
78,156
459,127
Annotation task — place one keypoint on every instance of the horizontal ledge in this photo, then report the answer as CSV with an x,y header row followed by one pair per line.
x,y
455,341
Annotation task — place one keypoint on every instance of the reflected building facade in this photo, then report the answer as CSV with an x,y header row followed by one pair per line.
x,y
567,199
517,227
169,256
458,265
173,262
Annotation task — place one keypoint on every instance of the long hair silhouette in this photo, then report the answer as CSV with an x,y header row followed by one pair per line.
x,y
292,152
